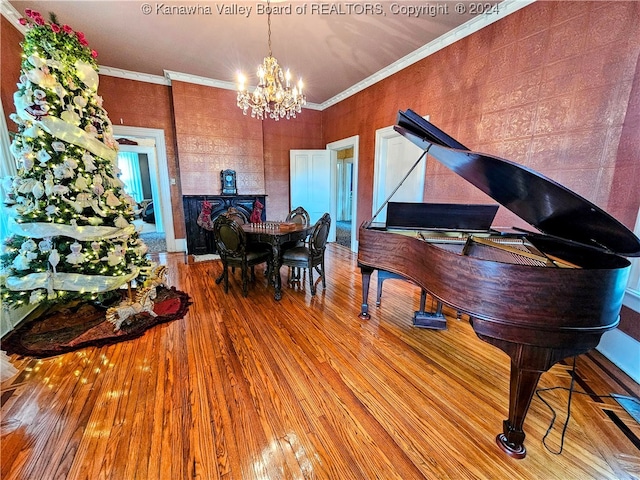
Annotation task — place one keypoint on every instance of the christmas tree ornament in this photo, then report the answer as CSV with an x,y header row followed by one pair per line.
x,y
76,257
43,157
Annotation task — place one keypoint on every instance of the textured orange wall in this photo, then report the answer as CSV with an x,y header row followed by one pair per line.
x,y
142,104
212,135
10,52
548,87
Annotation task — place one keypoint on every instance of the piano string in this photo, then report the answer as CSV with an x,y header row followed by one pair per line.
x,y
511,249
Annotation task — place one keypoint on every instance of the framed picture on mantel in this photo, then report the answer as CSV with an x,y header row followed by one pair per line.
x,y
228,180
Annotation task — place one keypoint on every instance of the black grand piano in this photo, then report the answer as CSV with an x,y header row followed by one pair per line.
x,y
540,296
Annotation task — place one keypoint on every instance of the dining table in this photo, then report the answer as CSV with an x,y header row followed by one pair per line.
x,y
276,234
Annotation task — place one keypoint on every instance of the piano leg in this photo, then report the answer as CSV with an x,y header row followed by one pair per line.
x,y
523,386
366,280
382,276
528,363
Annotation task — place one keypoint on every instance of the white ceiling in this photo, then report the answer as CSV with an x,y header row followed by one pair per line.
x,y
336,51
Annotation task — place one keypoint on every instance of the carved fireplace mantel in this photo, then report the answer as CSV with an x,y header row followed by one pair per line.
x,y
199,240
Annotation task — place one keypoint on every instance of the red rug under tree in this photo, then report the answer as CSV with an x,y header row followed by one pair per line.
x,y
83,325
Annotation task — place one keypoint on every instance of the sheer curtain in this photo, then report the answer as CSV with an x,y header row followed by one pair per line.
x,y
7,168
129,165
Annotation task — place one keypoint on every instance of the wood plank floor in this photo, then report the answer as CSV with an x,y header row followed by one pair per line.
x,y
258,389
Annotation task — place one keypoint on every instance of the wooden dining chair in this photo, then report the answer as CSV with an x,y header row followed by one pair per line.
x,y
311,255
300,216
237,215
231,243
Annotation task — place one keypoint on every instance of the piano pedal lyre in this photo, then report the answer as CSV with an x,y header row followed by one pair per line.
x,y
432,320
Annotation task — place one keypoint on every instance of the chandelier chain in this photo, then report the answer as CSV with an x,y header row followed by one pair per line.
x,y
269,28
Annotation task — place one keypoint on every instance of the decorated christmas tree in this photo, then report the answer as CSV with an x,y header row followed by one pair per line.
x,y
71,231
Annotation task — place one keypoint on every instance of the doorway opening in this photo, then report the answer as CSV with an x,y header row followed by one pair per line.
x,y
344,177
344,155
150,142
135,174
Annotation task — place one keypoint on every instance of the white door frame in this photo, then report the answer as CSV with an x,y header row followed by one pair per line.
x,y
383,135
162,168
333,147
152,170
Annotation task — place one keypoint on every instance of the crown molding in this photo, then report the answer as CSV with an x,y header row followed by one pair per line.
x,y
506,8
11,14
313,106
207,82
129,75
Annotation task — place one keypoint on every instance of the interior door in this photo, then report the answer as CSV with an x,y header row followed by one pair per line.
x,y
395,156
313,184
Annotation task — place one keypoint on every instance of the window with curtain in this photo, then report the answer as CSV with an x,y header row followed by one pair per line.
x,y
129,166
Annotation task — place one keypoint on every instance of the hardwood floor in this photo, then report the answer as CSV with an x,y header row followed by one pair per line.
x,y
250,388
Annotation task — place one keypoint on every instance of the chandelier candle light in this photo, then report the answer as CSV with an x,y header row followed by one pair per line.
x,y
271,98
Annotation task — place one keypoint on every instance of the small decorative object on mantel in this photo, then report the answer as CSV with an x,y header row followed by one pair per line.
x,y
256,214
228,179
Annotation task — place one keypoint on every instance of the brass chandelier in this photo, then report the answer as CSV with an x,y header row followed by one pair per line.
x,y
273,97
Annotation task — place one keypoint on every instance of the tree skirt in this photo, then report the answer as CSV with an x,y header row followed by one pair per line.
x,y
83,325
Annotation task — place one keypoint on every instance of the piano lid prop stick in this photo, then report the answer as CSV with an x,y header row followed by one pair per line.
x,y
467,245
561,263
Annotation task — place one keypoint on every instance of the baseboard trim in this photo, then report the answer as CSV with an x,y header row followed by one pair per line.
x,y
623,351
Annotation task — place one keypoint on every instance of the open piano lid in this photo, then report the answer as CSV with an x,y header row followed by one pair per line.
x,y
551,208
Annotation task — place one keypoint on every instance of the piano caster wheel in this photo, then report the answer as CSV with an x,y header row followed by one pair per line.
x,y
515,451
364,316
